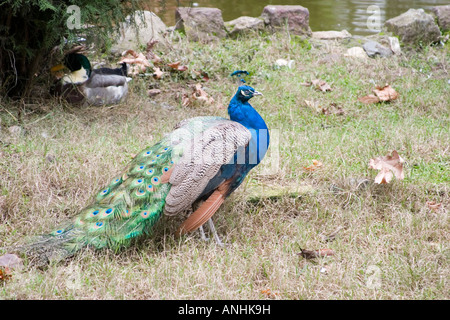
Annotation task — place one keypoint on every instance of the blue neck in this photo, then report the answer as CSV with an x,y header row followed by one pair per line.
x,y
242,112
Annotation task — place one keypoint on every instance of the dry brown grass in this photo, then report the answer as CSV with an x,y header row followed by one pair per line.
x,y
391,245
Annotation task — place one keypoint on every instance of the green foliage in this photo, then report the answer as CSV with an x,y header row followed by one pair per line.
x,y
29,30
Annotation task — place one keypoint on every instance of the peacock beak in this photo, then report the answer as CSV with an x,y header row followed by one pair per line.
x,y
57,68
256,93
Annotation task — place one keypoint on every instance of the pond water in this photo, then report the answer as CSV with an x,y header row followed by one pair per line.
x,y
352,15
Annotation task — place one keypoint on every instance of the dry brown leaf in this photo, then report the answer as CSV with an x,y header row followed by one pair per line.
x,y
150,55
185,100
318,84
312,104
389,166
176,66
311,254
5,274
270,294
333,109
316,164
198,95
137,61
433,205
382,94
157,74
369,99
321,85
386,93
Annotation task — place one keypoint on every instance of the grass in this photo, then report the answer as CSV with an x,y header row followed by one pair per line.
x,y
391,246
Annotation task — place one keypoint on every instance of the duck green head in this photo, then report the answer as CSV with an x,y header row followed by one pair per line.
x,y
76,61
79,66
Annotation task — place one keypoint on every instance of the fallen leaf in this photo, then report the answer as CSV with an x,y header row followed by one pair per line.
x,y
369,99
382,94
433,205
176,66
389,166
321,85
157,74
137,61
316,164
314,105
333,109
5,274
198,95
311,254
269,293
386,93
200,74
150,55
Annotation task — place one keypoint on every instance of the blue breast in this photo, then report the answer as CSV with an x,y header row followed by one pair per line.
x,y
244,160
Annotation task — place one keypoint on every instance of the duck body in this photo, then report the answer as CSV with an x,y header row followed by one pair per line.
x,y
95,87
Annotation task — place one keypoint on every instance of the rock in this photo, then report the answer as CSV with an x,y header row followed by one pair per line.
x,y
443,17
395,45
331,35
296,18
200,24
414,27
374,49
150,27
244,25
356,52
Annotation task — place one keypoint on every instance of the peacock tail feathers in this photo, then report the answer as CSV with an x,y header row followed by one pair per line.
x,y
121,211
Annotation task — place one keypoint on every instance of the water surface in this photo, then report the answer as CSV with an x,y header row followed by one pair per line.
x,y
351,15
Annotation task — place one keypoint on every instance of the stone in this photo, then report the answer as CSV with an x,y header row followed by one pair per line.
x,y
331,35
374,49
443,17
414,27
150,27
395,45
244,25
294,19
356,52
200,24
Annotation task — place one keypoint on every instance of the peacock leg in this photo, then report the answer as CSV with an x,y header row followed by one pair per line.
x,y
214,232
202,234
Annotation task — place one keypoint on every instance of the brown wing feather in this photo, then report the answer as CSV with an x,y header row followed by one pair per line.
x,y
206,210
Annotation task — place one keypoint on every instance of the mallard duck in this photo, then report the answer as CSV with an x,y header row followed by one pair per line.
x,y
92,86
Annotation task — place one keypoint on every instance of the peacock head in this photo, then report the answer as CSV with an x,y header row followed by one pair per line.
x,y
245,93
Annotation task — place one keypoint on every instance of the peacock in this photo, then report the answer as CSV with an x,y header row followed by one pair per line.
x,y
198,165
92,86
